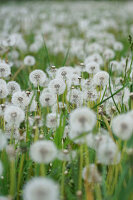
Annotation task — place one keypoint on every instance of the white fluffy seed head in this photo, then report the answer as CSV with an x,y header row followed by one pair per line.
x,y
29,61
82,119
96,57
90,95
57,86
4,198
5,70
13,87
52,120
91,174
101,78
101,138
39,188
20,99
43,151
108,153
14,116
37,77
9,41
75,97
75,79
118,46
64,73
122,126
115,65
92,67
3,89
47,98
108,54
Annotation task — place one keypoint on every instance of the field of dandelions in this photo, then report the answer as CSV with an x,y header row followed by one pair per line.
x,y
66,101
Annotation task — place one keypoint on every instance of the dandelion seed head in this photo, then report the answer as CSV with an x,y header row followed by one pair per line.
x,y
37,77
75,97
5,70
52,120
108,54
47,98
122,126
29,61
92,67
101,78
91,174
108,153
13,87
43,151
82,119
57,86
39,188
14,116
3,89
20,99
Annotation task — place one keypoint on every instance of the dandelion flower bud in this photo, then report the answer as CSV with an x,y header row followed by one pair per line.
x,y
122,126
91,174
2,109
82,119
43,151
37,77
57,86
13,87
14,116
29,60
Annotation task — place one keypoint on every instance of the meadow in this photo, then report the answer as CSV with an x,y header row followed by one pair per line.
x,y
66,101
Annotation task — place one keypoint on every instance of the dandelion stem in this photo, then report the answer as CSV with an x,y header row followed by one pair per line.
x,y
63,180
80,167
12,177
58,103
20,172
42,169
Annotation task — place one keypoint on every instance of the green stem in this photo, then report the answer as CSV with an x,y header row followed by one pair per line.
x,y
20,172
63,180
12,178
42,169
80,167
